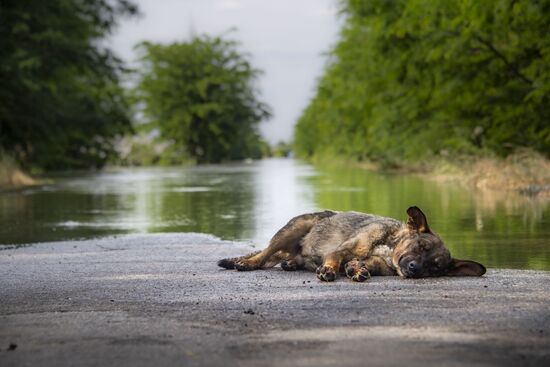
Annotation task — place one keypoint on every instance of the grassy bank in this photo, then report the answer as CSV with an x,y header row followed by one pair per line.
x,y
11,174
524,171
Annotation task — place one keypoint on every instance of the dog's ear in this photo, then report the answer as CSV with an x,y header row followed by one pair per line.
x,y
465,268
417,220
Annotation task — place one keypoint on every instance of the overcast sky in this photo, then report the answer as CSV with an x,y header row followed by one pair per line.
x,y
286,39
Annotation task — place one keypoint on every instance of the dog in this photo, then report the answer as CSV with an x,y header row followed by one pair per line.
x,y
358,245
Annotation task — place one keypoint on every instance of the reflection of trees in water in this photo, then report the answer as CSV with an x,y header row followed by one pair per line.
x,y
222,209
502,229
216,201
490,202
39,215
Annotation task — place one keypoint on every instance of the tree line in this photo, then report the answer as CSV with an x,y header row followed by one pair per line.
x,y
63,104
409,80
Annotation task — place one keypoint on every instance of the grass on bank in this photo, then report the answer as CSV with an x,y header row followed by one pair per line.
x,y
11,174
525,170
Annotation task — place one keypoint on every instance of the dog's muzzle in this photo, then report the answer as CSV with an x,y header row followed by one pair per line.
x,y
410,268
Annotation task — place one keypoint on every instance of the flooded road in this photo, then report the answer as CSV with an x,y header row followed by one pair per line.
x,y
248,202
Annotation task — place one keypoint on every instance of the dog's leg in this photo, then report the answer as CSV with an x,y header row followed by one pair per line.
x,y
377,266
229,263
358,247
332,262
276,258
286,240
295,263
361,270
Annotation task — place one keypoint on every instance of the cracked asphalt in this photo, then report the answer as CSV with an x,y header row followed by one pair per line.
x,y
160,299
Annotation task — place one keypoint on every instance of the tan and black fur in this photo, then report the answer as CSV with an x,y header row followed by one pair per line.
x,y
358,245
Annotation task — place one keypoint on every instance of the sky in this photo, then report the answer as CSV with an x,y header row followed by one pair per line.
x,y
287,39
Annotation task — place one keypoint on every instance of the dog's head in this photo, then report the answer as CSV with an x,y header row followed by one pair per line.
x,y
420,253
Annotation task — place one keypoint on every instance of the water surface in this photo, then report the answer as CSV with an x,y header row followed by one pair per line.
x,y
249,202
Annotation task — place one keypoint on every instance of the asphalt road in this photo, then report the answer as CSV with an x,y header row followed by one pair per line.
x,y
160,300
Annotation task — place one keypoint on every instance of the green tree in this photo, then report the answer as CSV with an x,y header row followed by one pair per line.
x,y
201,95
61,103
410,79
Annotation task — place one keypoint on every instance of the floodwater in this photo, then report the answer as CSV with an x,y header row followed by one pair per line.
x,y
248,202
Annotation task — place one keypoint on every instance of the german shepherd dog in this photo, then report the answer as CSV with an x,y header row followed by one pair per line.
x,y
358,245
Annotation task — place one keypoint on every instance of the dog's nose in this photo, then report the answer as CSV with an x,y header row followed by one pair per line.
x,y
413,266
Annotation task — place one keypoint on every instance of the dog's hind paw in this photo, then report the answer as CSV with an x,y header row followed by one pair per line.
x,y
227,263
326,273
244,265
289,265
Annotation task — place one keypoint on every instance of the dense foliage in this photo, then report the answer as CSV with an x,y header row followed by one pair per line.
x,y
200,95
61,103
410,79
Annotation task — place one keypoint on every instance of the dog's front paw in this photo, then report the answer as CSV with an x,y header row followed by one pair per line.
x,y
357,271
245,265
326,273
362,275
352,267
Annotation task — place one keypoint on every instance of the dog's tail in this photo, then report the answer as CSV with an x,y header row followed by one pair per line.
x,y
229,263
